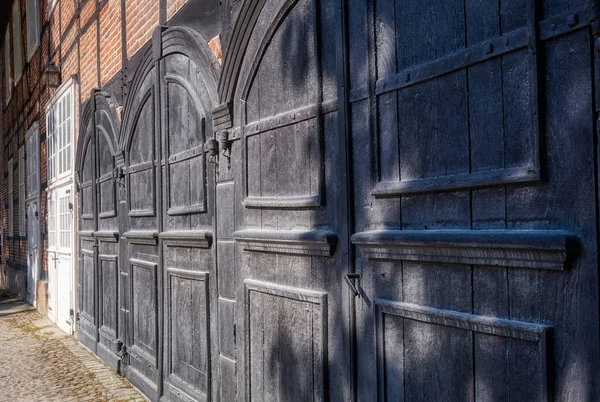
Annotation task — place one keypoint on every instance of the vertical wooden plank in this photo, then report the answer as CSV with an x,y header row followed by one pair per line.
x,y
486,125
438,360
566,200
486,131
438,363
387,135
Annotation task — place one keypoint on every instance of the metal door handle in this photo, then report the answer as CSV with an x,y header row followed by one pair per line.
x,y
350,278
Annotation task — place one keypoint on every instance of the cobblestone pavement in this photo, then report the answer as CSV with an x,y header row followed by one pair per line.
x,y
38,362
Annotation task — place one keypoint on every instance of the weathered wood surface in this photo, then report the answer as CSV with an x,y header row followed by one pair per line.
x,y
441,153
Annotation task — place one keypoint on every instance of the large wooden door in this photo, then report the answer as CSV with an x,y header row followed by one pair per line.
x,y
97,153
168,273
472,125
283,304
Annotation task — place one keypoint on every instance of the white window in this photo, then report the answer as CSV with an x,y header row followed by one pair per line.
x,y
33,27
33,158
52,221
11,208
7,68
60,136
22,226
64,221
17,36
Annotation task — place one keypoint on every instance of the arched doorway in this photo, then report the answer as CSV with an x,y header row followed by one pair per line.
x,y
147,283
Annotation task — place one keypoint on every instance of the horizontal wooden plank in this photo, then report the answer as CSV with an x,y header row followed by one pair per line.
x,y
283,202
187,238
142,236
287,292
187,154
281,120
186,210
107,235
477,323
140,167
298,242
564,23
472,55
539,249
187,274
458,181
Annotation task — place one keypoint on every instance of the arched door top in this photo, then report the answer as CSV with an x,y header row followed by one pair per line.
x,y
105,104
165,42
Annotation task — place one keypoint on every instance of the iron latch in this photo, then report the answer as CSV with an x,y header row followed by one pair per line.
x,y
350,281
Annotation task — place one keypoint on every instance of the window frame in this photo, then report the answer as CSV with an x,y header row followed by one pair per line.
x,y
32,16
53,134
22,192
63,221
51,217
17,41
11,198
32,140
7,64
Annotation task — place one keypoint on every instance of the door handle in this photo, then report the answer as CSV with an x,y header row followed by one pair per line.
x,y
350,281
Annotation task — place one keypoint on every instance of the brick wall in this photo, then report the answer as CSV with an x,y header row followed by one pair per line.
x,y
141,17
83,38
173,6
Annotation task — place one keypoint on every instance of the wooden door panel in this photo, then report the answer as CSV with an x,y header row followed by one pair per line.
x,y
87,303
143,316
426,352
286,342
106,187
168,281
108,282
285,208
185,134
466,255
187,332
98,229
283,130
466,96
188,344
142,169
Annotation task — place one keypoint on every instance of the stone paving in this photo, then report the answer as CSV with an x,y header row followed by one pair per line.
x,y
39,362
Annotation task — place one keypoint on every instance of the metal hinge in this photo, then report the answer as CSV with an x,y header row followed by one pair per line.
x,y
122,351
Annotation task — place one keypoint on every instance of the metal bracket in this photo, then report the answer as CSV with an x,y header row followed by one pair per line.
x,y
225,145
122,351
350,281
119,175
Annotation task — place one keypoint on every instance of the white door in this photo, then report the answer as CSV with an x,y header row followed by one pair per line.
x,y
33,216
60,259
52,282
